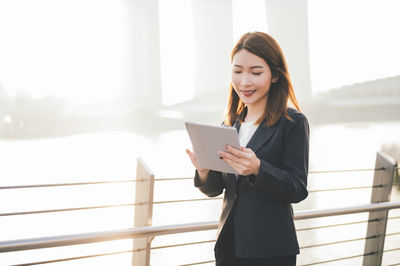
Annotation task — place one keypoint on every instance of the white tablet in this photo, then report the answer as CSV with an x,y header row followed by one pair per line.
x,y
208,140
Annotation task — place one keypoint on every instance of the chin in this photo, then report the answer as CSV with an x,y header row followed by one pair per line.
x,y
247,100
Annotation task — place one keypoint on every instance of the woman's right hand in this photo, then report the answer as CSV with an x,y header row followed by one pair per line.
x,y
202,171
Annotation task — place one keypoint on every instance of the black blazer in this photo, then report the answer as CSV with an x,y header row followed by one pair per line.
x,y
260,206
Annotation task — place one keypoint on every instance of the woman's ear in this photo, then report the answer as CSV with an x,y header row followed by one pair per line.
x,y
275,79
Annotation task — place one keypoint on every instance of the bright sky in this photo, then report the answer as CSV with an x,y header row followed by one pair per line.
x,y
353,41
75,48
177,81
69,48
248,17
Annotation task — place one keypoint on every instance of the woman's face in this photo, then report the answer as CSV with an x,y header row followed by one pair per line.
x,y
251,78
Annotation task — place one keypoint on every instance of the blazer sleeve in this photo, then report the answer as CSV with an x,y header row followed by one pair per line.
x,y
289,181
213,186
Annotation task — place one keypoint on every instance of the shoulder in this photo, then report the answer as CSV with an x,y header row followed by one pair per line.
x,y
296,115
297,121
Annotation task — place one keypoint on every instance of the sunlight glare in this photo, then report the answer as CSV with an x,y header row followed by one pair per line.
x,y
62,48
353,41
177,50
248,16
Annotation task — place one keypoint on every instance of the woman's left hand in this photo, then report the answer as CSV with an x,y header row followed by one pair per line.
x,y
244,161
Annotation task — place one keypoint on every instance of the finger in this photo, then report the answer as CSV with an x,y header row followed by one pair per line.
x,y
234,151
247,150
240,169
230,156
249,153
191,154
241,155
193,159
235,160
243,165
233,164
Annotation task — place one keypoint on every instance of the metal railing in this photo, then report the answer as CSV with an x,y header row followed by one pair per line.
x,y
151,231
158,202
383,180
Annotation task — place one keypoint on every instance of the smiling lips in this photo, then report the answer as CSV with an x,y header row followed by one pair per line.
x,y
247,93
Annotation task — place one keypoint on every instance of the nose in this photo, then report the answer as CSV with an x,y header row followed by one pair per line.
x,y
246,81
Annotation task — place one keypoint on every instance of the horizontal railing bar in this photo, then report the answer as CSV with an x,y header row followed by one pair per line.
x,y
347,210
335,225
186,200
102,207
156,202
393,234
158,179
70,184
184,244
347,170
390,250
177,245
149,231
173,178
396,264
344,258
198,263
345,188
395,217
187,244
85,238
338,242
89,183
126,181
310,172
78,258
70,209
114,206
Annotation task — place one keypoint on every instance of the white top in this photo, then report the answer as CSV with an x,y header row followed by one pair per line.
x,y
246,131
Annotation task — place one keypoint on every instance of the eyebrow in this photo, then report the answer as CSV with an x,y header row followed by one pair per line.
x,y
252,67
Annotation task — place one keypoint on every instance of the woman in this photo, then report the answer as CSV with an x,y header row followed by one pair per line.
x,y
256,225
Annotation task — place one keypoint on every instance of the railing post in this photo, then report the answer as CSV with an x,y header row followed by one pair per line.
x,y
143,212
383,182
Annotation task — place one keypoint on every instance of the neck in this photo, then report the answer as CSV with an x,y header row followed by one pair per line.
x,y
254,112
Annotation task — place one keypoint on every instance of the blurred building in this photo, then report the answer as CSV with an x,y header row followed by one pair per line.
x,y
366,101
23,116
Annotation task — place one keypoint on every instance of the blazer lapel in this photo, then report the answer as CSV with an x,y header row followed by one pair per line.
x,y
237,125
261,136
232,177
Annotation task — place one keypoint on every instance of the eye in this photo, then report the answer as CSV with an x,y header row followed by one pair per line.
x,y
257,73
237,72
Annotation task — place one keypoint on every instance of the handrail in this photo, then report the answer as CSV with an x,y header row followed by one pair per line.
x,y
146,231
138,203
347,210
343,258
335,225
70,184
158,202
158,179
346,170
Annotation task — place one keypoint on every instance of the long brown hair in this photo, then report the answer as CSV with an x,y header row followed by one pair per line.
x,y
280,92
